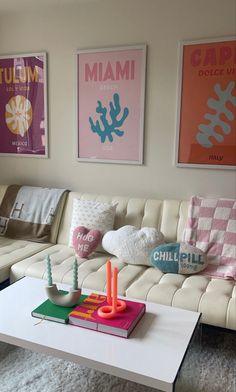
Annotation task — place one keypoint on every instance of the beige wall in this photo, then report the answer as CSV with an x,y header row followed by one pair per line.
x,y
161,24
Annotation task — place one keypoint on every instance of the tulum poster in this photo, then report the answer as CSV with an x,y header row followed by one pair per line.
x,y
207,105
111,84
23,115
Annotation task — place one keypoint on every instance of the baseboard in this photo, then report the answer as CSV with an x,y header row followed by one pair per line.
x,y
4,284
208,327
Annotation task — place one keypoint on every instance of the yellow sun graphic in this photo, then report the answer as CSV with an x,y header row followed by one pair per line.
x,y
18,115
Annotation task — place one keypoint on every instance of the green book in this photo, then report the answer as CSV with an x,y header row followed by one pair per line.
x,y
49,311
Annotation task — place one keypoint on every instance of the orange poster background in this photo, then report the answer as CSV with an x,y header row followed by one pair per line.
x,y
205,65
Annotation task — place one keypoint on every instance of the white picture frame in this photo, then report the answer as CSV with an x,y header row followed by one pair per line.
x,y
206,71
110,100
23,112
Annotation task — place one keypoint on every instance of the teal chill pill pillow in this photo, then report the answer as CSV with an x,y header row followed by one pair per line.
x,y
178,258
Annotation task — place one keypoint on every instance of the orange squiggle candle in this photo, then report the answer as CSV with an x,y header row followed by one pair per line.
x,y
108,267
114,290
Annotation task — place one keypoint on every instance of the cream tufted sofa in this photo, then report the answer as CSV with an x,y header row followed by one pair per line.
x,y
214,298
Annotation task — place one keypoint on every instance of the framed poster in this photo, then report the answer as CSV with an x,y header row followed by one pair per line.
x,y
110,104
206,134
23,109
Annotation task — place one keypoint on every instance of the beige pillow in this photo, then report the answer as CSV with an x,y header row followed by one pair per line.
x,y
93,215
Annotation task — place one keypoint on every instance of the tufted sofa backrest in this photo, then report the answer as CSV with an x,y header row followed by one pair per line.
x,y
168,216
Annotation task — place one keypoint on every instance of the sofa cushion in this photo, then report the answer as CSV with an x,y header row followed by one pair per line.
x,y
91,272
179,258
132,245
93,215
214,298
12,251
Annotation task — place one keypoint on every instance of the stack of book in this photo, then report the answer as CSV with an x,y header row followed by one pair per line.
x,y
84,314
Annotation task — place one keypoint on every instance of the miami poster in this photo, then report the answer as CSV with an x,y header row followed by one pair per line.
x,y
110,104
23,111
207,105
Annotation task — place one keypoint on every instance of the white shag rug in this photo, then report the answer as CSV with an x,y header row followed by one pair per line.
x,y
209,367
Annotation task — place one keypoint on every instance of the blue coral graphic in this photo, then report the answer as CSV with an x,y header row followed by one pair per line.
x,y
104,128
219,106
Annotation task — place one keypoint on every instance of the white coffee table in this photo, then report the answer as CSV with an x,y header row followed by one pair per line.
x,y
151,356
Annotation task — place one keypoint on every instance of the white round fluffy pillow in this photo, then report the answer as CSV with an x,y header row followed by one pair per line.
x,y
132,245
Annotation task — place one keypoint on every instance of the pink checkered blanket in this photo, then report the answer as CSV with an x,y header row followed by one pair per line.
x,y
211,227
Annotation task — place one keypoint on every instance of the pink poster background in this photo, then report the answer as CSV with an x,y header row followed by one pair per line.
x,y
101,86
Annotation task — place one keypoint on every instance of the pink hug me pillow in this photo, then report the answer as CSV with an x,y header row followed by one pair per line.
x,y
85,240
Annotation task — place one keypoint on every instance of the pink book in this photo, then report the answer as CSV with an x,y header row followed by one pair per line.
x,y
85,315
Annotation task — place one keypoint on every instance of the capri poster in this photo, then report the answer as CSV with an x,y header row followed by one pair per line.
x,y
23,116
110,104
207,104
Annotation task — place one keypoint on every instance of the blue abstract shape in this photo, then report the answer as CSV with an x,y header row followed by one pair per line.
x,y
103,128
219,106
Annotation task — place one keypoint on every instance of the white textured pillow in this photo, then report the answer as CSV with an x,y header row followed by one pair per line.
x,y
93,215
132,245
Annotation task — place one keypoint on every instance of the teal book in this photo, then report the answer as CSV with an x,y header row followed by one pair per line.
x,y
49,311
